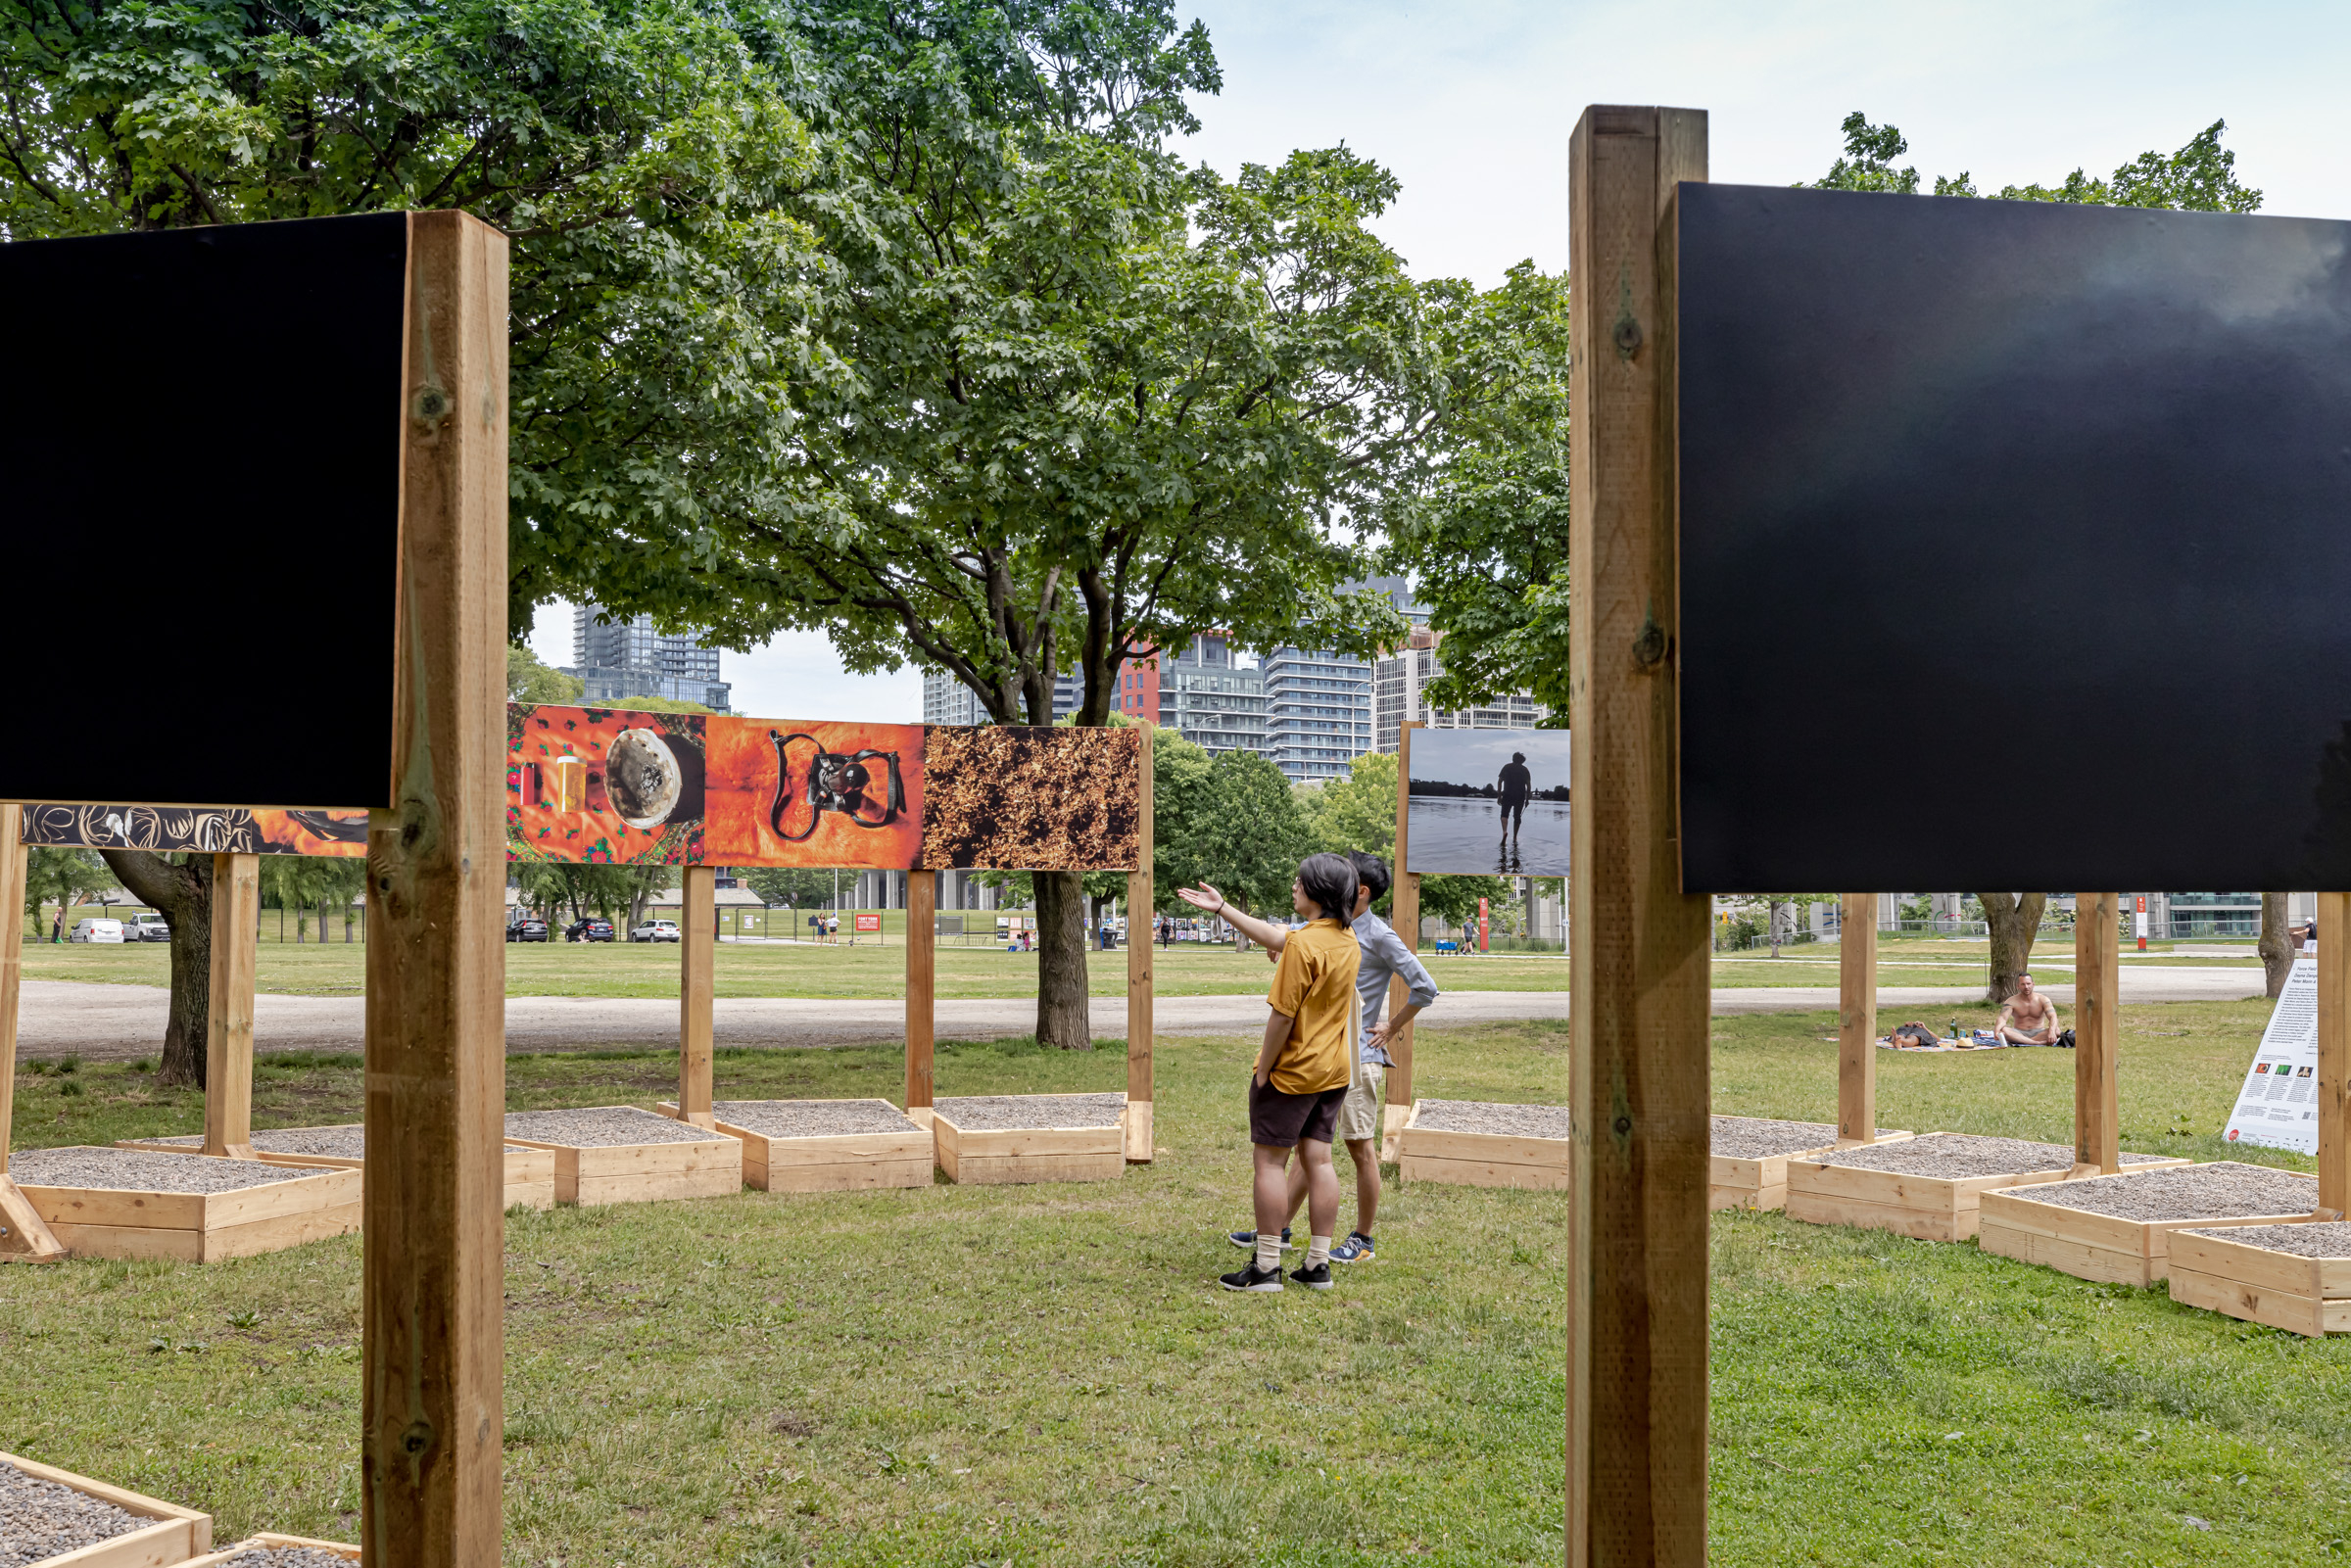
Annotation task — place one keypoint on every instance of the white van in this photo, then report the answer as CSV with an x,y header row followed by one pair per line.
x,y
96,930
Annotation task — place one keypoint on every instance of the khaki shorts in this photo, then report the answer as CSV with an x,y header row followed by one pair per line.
x,y
1358,1116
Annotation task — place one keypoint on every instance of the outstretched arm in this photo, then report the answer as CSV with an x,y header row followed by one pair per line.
x,y
1264,934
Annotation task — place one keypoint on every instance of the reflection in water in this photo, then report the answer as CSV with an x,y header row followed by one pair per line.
x,y
1452,834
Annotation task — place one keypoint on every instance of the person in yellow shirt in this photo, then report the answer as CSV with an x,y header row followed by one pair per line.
x,y
1304,1067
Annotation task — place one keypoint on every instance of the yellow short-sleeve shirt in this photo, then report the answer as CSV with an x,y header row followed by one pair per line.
x,y
1314,987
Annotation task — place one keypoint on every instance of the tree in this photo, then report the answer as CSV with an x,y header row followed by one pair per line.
x,y
636,157
2200,177
2277,944
1255,836
2011,921
795,887
529,681
64,876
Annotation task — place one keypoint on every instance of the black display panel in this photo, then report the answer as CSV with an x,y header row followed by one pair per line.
x,y
200,441
2015,546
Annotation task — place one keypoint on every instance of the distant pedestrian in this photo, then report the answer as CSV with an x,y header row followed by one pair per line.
x,y
57,927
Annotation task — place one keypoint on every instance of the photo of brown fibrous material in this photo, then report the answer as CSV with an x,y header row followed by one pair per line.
x,y
1020,799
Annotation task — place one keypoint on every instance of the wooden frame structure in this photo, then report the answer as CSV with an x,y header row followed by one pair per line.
x,y
1404,917
177,1534
24,1237
270,1538
1465,1159
2309,1295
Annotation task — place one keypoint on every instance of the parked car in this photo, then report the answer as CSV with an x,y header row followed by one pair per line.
x,y
146,928
527,930
589,930
95,929
656,930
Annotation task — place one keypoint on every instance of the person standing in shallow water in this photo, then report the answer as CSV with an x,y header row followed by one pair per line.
x,y
1517,785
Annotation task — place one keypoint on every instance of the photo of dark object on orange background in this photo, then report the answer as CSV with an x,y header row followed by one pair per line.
x,y
197,830
1031,798
604,785
797,793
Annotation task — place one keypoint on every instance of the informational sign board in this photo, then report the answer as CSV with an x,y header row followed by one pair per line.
x,y
2279,1106
201,431
869,923
1490,802
2072,417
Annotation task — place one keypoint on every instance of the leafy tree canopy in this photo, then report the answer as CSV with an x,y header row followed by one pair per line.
x,y
2200,177
529,681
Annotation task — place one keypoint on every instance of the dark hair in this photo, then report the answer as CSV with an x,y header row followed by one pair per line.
x,y
1371,871
1329,882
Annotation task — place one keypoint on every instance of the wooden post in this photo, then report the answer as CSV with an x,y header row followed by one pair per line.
x,y
697,981
2334,1052
921,980
432,1418
228,1028
1404,914
23,1235
1858,1020
1636,1204
2097,979
1139,901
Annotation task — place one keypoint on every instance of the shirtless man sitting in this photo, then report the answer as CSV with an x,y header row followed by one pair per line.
x,y
2027,1018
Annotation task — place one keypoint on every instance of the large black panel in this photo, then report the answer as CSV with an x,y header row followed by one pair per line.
x,y
2016,546
200,495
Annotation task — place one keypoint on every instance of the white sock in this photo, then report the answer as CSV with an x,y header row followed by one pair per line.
x,y
1268,1251
1319,1253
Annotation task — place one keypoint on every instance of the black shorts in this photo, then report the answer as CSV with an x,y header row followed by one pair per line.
x,y
1281,1120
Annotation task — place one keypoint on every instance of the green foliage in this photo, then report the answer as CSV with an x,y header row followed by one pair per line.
x,y
800,886
529,681
2200,177
612,892
64,878
1254,836
1359,812
1868,161
637,157
1483,530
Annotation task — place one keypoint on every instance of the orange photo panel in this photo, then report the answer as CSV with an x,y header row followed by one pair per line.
x,y
797,792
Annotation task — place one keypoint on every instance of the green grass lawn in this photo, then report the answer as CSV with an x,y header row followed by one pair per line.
x,y
1047,1375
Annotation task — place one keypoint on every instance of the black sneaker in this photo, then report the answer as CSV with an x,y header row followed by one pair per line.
x,y
1252,1278
1314,1279
1246,1240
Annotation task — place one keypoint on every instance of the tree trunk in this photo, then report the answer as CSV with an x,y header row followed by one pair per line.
x,y
1061,981
2277,944
183,892
2011,921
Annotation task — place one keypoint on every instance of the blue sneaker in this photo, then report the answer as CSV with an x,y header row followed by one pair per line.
x,y
1246,1240
1355,1249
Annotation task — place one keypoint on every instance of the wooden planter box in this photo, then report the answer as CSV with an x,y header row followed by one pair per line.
x,y
2106,1248
270,1538
590,1174
2303,1294
842,1161
1479,1158
1761,1181
530,1172
199,1227
1926,1207
178,1533
981,1157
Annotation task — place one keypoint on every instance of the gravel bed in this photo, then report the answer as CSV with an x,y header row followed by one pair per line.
x,y
2185,1192
1492,1117
1960,1155
2330,1238
325,1143
995,1113
144,1170
603,1126
42,1519
1760,1138
813,1119
288,1557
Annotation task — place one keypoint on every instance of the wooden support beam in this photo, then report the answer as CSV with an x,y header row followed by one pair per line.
x,y
1404,915
2334,1052
228,1028
1857,1019
697,985
23,1235
922,983
1637,1205
1139,901
2098,1035
432,1410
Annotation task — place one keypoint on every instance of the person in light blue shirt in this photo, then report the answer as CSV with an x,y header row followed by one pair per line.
x,y
1385,957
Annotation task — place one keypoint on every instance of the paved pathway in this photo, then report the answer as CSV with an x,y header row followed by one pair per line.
x,y
112,1022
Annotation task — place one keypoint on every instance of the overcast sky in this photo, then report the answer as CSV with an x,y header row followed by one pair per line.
x,y
1470,103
